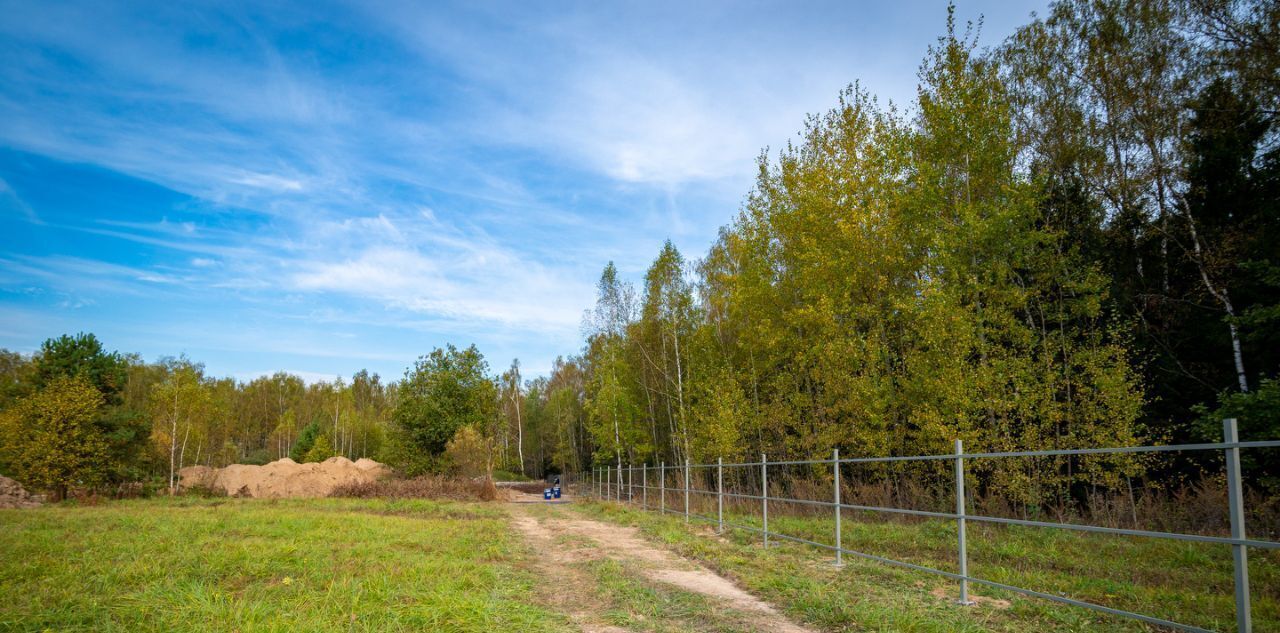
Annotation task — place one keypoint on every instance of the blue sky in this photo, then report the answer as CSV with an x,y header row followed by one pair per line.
x,y
321,188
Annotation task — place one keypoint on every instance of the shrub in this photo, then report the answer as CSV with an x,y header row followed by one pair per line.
x,y
468,452
422,487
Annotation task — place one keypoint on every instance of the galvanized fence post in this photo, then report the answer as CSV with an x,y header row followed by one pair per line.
x,y
644,485
835,465
662,487
686,488
619,497
631,483
960,510
1235,500
608,482
764,495
720,494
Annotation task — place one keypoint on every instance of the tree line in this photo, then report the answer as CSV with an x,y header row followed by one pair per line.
x,y
74,414
1066,241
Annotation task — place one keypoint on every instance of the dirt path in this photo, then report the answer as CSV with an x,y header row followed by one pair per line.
x,y
567,539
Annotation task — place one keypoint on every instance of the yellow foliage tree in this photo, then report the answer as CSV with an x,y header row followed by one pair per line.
x,y
52,437
469,452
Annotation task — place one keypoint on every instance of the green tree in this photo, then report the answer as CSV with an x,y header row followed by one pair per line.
x,y
1231,223
320,450
512,393
443,392
54,439
124,427
306,439
610,404
1257,414
668,318
1160,114
82,354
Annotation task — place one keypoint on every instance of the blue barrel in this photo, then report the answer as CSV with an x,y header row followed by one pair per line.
x,y
556,491
546,493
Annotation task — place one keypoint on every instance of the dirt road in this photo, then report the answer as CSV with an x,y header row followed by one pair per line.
x,y
584,558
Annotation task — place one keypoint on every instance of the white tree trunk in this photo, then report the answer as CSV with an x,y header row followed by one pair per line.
x,y
173,445
1221,295
684,425
182,453
519,426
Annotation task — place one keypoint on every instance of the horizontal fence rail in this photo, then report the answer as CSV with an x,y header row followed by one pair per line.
x,y
619,483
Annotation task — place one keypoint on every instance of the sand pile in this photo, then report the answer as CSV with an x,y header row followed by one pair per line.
x,y
13,495
284,477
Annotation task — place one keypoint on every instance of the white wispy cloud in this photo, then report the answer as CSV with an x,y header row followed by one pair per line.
x,y
271,182
438,269
10,199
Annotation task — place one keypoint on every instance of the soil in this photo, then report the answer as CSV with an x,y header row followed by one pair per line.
x,y
589,540
284,478
952,595
572,582
13,495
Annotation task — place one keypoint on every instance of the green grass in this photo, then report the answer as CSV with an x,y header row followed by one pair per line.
x,y
1180,581
376,565
260,565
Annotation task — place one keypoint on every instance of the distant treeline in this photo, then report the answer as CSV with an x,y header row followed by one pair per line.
x,y
75,416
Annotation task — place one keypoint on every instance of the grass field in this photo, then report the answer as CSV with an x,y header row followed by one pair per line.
x,y
291,565
1184,582
197,564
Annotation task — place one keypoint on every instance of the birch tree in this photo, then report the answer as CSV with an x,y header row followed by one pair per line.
x,y
177,404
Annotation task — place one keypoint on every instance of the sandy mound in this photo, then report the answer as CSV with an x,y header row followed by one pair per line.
x,y
13,495
284,477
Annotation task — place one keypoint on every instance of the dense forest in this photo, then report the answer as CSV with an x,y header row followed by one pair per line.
x,y
1068,240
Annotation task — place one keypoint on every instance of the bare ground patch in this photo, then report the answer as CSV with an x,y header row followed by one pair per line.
x,y
571,582
566,539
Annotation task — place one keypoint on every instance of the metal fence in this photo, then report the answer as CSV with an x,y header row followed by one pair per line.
x,y
619,483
